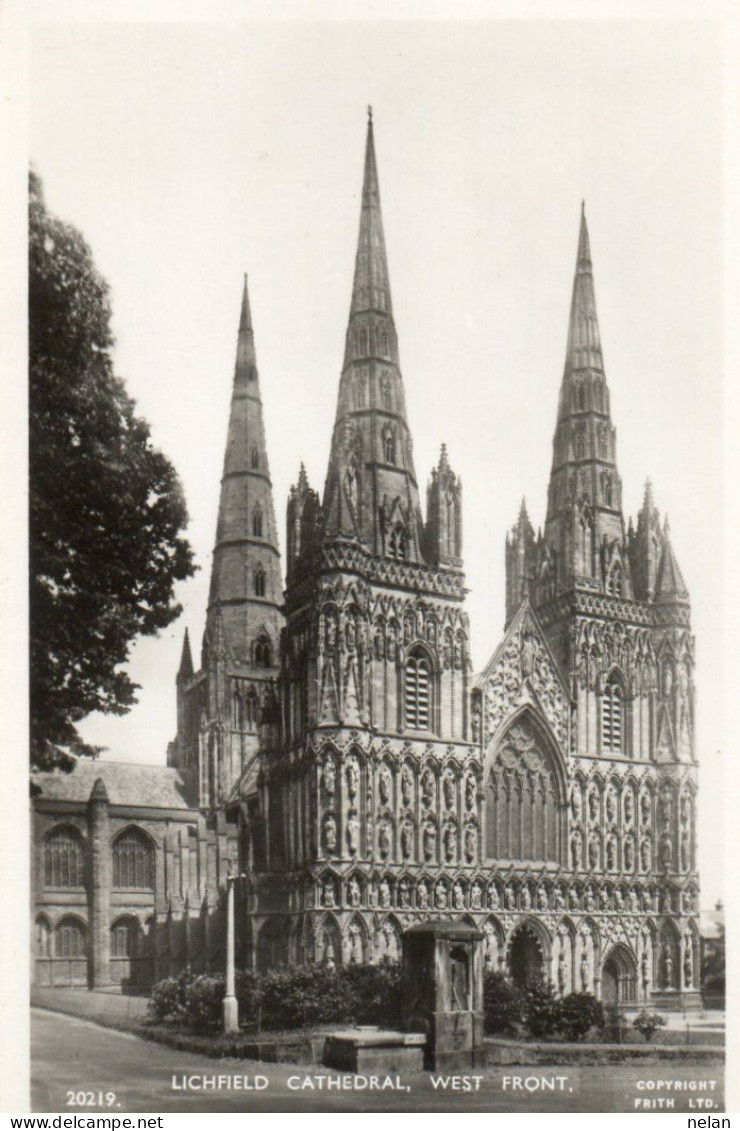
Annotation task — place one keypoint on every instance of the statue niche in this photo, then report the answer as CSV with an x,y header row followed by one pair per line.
x,y
524,797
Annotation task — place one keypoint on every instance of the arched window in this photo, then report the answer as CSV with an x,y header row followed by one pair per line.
x,y
362,343
385,392
614,581
133,861
262,651
69,939
612,717
397,543
257,521
607,489
580,396
251,705
384,344
580,444
598,396
389,445
254,458
64,859
126,938
603,442
418,697
43,938
259,581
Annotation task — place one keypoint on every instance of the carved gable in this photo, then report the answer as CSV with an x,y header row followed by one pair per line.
x,y
523,671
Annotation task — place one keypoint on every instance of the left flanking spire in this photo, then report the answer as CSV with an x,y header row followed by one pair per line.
x,y
246,586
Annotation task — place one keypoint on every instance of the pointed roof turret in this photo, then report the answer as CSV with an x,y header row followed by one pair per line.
x,y
371,494
670,585
246,586
185,670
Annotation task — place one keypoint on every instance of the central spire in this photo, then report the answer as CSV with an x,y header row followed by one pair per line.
x,y
371,494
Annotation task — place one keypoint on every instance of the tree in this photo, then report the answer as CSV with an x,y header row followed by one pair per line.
x,y
106,509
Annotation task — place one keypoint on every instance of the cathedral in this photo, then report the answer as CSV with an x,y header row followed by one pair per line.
x,y
336,751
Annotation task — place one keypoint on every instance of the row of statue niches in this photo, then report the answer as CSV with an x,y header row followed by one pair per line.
x,y
606,807
350,632
448,794
450,838
603,852
444,892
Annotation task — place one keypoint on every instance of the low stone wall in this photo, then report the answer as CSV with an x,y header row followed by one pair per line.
x,y
500,1051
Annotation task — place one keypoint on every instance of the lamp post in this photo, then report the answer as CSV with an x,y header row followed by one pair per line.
x,y
230,1006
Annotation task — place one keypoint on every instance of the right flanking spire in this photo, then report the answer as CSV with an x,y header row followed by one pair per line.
x,y
584,530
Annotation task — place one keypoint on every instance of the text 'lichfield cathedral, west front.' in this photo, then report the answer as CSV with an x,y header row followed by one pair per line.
x,y
336,750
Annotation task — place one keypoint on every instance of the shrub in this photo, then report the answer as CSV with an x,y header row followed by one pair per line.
x,y
306,995
375,991
502,1003
203,1001
540,1009
647,1024
577,1014
614,1023
168,998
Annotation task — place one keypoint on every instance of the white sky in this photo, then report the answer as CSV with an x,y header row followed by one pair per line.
x,y
188,154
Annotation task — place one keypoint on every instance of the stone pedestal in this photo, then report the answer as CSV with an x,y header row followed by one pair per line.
x,y
443,992
369,1049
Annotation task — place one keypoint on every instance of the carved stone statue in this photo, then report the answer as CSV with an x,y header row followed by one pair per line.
x,y
575,852
458,896
593,852
476,895
585,972
688,966
353,778
330,833
384,841
404,895
666,852
384,893
562,973
629,807
645,854
510,897
645,808
593,806
407,785
440,894
573,899
471,844
634,901
355,892
559,899
611,856
494,899
526,898
470,792
329,776
629,855
327,894
448,792
355,944
427,788
384,783
685,852
422,895
450,843
407,841
645,971
611,806
668,968
353,831
542,898
429,838
350,634
590,899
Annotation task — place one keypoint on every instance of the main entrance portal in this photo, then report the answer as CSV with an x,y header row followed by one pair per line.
x,y
525,957
618,977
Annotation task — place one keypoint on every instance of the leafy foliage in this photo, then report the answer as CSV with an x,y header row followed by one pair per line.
x,y
540,1009
287,998
577,1014
502,1003
614,1023
647,1024
106,508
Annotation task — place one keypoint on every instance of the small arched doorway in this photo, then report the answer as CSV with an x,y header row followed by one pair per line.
x,y
272,945
526,963
618,977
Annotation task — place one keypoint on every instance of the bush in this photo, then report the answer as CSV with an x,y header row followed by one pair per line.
x,y
577,1014
614,1023
540,1009
502,1003
376,992
647,1024
168,998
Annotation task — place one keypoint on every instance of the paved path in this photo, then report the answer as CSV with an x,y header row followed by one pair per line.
x,y
76,1056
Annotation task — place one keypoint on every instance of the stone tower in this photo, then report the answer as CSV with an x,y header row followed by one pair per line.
x,y
224,706
589,702
366,814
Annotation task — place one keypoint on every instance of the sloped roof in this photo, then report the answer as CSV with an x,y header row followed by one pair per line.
x,y
126,783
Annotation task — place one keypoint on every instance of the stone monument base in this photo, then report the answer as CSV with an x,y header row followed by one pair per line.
x,y
455,1040
370,1049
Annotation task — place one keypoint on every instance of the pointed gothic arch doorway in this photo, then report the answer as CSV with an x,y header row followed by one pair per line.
x,y
526,959
619,977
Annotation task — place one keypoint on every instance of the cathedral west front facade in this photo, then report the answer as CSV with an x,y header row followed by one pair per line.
x,y
336,749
